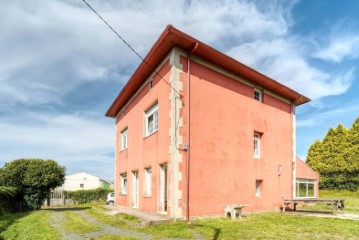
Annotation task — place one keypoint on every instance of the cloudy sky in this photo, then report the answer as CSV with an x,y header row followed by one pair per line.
x,y
61,67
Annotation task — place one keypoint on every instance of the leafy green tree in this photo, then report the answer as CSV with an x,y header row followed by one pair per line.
x,y
353,141
32,178
336,158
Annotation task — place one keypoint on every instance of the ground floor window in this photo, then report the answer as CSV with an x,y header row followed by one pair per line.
x,y
123,179
148,182
259,188
305,188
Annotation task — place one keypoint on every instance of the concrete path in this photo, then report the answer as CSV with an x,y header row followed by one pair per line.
x,y
352,216
146,217
58,219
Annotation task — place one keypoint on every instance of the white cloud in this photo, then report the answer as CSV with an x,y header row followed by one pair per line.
x,y
74,140
286,59
339,48
341,43
336,114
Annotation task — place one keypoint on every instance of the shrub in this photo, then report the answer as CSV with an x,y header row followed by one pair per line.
x,y
7,199
88,196
32,178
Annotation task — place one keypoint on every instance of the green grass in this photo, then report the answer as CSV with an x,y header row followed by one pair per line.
x,y
115,237
75,224
351,198
177,229
36,224
277,226
116,220
29,225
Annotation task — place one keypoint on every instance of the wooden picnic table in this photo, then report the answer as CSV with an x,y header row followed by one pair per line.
x,y
335,203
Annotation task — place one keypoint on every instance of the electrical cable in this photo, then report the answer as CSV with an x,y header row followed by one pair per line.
x,y
132,49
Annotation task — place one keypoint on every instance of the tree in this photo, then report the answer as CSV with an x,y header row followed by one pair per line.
x,y
32,178
336,158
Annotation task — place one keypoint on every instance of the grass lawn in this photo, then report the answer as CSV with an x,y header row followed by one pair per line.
x,y
38,225
74,223
34,225
351,201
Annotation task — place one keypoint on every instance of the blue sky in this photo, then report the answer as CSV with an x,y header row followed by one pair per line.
x,y
61,68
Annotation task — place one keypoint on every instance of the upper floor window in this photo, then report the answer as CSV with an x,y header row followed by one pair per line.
x,y
258,95
257,145
151,121
124,139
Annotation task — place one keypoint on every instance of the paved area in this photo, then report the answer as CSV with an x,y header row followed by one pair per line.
x,y
58,219
146,217
344,215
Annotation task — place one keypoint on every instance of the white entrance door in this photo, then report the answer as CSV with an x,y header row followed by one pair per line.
x,y
135,189
162,206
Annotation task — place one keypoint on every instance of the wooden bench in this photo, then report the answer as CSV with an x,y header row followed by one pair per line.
x,y
233,210
335,203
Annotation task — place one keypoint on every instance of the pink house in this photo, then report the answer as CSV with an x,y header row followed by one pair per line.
x,y
196,130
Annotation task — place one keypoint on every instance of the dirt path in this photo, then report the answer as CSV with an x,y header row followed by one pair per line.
x,y
58,218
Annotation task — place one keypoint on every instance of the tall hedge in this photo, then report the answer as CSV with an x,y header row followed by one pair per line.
x,y
88,196
7,199
336,158
32,178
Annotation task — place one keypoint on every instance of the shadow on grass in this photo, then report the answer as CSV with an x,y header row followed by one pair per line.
x,y
8,219
217,231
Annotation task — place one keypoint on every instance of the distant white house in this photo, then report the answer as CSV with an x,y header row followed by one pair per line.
x,y
84,181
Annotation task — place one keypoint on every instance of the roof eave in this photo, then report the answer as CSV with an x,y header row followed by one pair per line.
x,y
171,37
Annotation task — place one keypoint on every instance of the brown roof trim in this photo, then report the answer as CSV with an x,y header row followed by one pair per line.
x,y
171,37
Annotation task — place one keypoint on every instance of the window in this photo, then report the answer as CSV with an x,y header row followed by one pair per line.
x,y
258,187
123,179
305,188
257,95
151,120
257,145
82,185
148,181
124,139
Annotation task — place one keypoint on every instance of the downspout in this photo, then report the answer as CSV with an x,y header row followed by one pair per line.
x,y
188,127
293,151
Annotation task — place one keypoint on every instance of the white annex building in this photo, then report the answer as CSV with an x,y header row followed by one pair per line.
x,y
84,181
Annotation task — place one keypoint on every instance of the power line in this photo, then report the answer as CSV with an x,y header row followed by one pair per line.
x,y
132,49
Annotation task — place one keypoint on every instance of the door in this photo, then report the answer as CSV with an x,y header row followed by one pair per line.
x,y
135,189
163,189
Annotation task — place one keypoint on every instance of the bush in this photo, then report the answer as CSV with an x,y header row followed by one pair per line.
x,y
7,199
32,178
88,196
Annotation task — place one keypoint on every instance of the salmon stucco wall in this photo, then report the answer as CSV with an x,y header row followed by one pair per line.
x,y
143,152
224,117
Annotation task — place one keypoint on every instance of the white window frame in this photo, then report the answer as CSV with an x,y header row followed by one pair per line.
x,y
259,188
123,183
257,145
260,95
306,182
148,182
151,127
124,139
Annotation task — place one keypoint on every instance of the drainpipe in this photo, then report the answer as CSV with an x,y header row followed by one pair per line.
x,y
188,127
293,150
